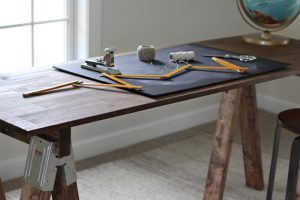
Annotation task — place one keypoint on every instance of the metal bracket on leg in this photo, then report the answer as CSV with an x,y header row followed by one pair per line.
x,y
41,165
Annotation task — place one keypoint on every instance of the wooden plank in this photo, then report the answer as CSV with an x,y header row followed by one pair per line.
x,y
84,105
31,193
12,132
222,143
2,194
61,191
43,112
251,139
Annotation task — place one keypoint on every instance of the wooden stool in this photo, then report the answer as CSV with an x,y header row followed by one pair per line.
x,y
290,120
2,195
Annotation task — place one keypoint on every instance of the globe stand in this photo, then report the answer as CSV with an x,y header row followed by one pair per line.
x,y
266,39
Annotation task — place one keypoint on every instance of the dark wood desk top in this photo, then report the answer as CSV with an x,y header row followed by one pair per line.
x,y
74,107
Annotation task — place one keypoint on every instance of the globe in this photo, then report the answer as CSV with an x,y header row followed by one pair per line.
x,y
268,16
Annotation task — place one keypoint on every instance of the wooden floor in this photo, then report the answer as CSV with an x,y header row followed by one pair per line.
x,y
173,167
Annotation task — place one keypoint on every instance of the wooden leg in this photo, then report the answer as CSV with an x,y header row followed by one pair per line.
x,y
2,194
222,143
61,191
31,193
251,139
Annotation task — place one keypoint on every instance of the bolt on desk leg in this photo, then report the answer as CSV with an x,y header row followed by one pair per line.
x,y
61,190
2,194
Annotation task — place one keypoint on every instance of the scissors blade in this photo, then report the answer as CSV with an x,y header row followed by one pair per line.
x,y
218,56
243,58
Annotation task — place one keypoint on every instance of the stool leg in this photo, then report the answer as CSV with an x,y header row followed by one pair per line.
x,y
291,188
2,194
273,162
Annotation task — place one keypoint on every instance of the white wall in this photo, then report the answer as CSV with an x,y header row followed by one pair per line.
x,y
127,24
282,94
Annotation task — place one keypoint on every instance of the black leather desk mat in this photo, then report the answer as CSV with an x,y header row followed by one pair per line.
x,y
189,79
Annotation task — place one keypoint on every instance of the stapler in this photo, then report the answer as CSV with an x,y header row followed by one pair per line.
x,y
99,68
104,64
109,57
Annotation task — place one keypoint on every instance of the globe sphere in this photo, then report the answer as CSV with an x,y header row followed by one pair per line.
x,y
269,15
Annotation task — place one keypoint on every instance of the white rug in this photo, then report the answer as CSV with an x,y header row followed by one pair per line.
x,y
173,172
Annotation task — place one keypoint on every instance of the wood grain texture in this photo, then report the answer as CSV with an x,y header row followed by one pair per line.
x,y
64,148
31,193
222,144
2,194
251,139
21,118
43,113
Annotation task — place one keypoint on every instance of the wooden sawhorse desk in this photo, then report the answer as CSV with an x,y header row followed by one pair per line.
x,y
52,116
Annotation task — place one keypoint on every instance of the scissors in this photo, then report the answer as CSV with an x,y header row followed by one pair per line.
x,y
243,58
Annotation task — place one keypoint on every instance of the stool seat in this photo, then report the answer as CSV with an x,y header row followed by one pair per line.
x,y
290,120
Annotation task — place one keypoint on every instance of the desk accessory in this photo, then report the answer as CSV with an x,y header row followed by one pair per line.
x,y
49,89
176,71
154,76
146,53
268,16
108,58
108,85
243,58
191,78
141,76
230,66
116,79
102,69
241,70
123,84
182,56
225,66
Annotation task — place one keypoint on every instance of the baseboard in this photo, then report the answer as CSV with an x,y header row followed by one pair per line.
x,y
110,141
146,131
274,105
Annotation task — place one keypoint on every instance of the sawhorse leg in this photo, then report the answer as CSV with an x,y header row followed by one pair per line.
x,y
2,194
222,142
251,139
60,191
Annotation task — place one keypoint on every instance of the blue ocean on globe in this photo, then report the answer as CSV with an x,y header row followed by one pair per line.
x,y
272,11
